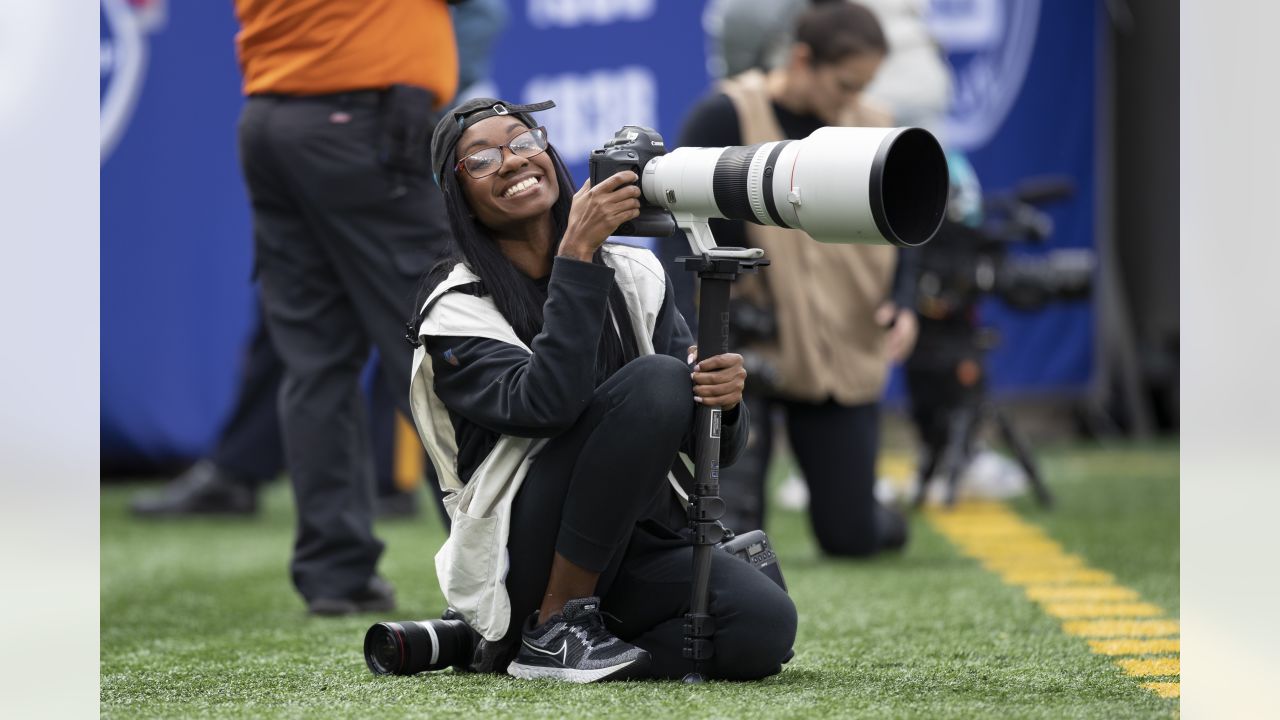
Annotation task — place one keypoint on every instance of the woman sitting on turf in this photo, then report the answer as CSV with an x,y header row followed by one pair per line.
x,y
553,393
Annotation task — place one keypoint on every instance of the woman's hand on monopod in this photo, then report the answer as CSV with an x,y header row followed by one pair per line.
x,y
718,380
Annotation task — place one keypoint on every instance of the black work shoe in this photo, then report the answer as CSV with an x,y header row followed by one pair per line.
x,y
891,527
396,505
575,646
377,596
205,489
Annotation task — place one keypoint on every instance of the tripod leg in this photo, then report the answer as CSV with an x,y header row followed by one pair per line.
x,y
932,454
1022,450
956,451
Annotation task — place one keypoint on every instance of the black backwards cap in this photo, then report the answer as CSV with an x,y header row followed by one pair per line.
x,y
455,122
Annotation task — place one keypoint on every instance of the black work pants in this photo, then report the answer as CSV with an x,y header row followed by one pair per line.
x,y
249,444
598,495
341,245
836,447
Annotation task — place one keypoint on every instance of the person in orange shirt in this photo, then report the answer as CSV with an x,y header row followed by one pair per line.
x,y
342,97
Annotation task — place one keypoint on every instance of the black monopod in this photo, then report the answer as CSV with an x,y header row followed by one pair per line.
x,y
716,268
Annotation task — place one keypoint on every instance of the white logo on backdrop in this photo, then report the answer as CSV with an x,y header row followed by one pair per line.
x,y
123,63
572,13
989,44
591,107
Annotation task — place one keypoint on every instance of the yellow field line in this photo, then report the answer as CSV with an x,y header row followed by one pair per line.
x,y
1003,563
1161,646
1145,667
1112,618
1067,576
1059,593
1164,689
1101,610
1121,628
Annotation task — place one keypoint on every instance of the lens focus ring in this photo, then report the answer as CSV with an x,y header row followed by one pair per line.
x,y
730,180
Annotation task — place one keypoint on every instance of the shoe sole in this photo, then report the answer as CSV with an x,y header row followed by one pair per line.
x,y
334,608
633,669
166,513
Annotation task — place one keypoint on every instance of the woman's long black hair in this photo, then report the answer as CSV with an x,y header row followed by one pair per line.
x,y
515,294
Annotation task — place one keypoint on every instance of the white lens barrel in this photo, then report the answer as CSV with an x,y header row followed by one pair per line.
x,y
686,183
840,185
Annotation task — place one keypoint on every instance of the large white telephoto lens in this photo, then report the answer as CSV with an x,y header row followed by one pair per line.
x,y
839,185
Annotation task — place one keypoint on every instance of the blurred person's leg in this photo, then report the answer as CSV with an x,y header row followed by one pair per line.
x,y
836,448
400,462
742,485
383,240
289,148
396,497
249,451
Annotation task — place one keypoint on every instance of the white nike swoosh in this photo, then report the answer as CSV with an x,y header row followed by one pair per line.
x,y
563,652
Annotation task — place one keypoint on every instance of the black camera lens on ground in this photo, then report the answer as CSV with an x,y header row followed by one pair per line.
x,y
414,646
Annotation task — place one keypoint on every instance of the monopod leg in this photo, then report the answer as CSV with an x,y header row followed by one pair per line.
x,y
705,504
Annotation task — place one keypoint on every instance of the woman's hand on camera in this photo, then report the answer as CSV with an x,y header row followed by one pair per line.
x,y
597,212
718,380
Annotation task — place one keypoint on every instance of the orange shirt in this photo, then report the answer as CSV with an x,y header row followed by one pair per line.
x,y
313,47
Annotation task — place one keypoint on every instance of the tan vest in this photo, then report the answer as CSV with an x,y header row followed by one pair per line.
x,y
823,296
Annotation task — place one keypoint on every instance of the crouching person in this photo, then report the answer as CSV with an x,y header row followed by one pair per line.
x,y
553,392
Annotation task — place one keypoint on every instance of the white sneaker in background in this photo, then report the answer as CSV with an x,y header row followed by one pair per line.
x,y
992,476
887,490
989,476
793,494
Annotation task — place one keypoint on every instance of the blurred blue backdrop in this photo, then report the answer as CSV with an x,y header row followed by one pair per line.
x,y
177,302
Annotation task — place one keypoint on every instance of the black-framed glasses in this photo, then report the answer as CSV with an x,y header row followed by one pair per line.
x,y
485,162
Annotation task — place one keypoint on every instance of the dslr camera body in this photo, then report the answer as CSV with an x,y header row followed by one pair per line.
x,y
631,148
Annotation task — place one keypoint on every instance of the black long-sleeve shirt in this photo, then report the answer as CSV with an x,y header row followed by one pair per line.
x,y
493,388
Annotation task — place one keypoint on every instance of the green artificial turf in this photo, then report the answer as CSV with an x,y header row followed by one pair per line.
x,y
199,620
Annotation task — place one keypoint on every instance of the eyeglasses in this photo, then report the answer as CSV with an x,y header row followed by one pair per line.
x,y
483,163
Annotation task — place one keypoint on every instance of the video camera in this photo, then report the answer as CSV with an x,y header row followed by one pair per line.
x,y
945,374
969,262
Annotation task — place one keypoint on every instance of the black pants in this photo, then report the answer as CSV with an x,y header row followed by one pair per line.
x,y
249,444
341,244
835,446
598,494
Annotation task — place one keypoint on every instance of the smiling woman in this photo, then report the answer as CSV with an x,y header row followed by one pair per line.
x,y
545,353
508,197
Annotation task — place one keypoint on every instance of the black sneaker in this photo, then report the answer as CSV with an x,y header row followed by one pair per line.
x,y
377,596
205,489
575,646
396,505
891,527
